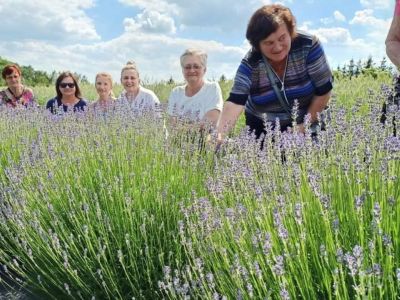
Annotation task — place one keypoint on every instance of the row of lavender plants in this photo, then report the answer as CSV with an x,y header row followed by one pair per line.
x,y
117,207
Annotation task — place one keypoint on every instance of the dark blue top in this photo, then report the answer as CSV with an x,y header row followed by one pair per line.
x,y
54,105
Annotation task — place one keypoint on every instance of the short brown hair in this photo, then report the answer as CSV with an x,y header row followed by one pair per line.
x,y
266,20
9,69
61,77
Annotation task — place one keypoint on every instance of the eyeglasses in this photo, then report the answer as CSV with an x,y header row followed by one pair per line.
x,y
68,84
194,67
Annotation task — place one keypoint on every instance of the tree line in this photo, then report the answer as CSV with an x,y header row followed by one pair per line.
x,y
32,77
351,69
367,67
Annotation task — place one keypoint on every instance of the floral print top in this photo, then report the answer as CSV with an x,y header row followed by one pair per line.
x,y
8,99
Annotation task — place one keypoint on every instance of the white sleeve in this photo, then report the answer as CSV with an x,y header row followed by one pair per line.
x,y
154,98
214,98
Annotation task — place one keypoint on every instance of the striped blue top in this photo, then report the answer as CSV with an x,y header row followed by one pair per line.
x,y
307,75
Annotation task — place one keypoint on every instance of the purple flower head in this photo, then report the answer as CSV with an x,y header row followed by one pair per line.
x,y
359,201
284,294
279,268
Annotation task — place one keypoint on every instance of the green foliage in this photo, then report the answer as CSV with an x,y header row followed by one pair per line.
x,y
32,77
367,68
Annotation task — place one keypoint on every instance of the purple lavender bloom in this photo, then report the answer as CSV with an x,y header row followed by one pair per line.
x,y
358,252
392,144
298,213
283,233
267,244
279,268
257,269
387,240
351,262
377,212
377,270
359,201
284,294
335,224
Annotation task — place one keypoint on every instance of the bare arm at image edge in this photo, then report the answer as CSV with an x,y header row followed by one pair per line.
x,y
393,37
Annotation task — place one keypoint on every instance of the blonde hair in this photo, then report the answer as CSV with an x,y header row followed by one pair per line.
x,y
130,65
109,77
195,52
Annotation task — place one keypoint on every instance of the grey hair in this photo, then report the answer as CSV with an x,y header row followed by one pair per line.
x,y
195,52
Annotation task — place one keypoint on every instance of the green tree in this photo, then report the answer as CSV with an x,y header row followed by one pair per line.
x,y
351,68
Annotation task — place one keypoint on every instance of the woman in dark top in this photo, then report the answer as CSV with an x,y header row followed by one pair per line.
x,y
68,95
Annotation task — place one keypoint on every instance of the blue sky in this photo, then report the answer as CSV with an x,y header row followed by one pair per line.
x,y
88,36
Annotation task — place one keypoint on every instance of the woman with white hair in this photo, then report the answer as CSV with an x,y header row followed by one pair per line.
x,y
198,100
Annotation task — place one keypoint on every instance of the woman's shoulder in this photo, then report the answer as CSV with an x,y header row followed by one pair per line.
x,y
211,84
149,95
83,101
28,90
304,39
146,91
178,90
52,101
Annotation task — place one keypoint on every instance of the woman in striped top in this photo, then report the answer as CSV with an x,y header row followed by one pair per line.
x,y
292,61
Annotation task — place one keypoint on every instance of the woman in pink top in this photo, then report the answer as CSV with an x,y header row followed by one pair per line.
x,y
16,95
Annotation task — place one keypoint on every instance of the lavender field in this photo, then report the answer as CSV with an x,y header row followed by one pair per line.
x,y
119,207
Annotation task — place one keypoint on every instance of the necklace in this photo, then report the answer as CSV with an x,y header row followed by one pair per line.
x,y
15,96
284,75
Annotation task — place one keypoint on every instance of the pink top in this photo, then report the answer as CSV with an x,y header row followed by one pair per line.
x,y
25,99
397,9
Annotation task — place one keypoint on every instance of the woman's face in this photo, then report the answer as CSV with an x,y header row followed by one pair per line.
x,y
192,69
130,80
13,80
277,45
103,86
67,86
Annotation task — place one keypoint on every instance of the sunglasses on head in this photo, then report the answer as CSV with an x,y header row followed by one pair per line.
x,y
70,85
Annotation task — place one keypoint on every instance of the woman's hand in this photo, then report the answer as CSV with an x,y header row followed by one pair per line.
x,y
227,121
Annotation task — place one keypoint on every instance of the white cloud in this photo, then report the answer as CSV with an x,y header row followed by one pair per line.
x,y
326,21
334,35
366,17
222,15
157,56
376,28
61,36
151,21
51,20
339,16
152,5
377,4
339,43
305,25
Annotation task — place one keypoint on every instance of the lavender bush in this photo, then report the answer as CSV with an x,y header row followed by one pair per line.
x,y
115,207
